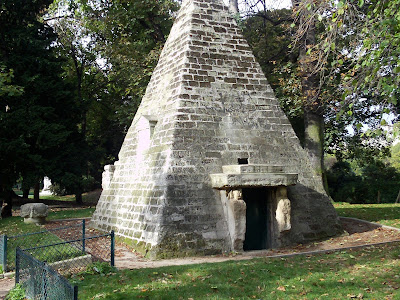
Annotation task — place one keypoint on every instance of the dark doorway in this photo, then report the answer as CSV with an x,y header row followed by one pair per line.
x,y
256,237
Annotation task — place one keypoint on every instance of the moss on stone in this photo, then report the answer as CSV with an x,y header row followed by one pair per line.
x,y
141,247
313,131
179,245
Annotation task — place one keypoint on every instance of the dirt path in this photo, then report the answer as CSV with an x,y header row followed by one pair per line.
x,y
358,233
6,284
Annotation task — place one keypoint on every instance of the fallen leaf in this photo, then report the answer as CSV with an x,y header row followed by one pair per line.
x,y
281,288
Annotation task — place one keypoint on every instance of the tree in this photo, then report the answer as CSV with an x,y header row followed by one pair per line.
x,y
111,50
311,112
313,85
38,120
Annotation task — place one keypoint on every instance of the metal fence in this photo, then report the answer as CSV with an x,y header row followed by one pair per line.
x,y
70,257
40,280
3,253
8,244
40,269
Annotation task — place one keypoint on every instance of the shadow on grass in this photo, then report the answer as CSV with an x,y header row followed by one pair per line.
x,y
335,276
372,212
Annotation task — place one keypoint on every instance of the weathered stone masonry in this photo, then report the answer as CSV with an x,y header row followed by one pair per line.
x,y
209,133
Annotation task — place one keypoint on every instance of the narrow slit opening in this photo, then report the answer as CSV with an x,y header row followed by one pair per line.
x,y
243,161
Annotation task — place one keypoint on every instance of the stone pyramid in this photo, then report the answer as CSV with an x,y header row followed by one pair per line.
x,y
210,162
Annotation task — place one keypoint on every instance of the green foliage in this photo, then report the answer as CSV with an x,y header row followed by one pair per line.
x,y
111,50
5,83
344,184
38,127
375,183
395,156
357,40
100,268
17,293
268,34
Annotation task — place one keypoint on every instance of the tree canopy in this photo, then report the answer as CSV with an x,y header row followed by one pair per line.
x,y
72,74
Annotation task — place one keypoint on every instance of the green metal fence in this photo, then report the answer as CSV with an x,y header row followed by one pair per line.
x,y
40,269
8,244
3,252
71,257
40,280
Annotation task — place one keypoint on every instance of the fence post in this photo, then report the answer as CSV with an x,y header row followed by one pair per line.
x,y
17,264
4,262
112,248
83,235
44,287
75,292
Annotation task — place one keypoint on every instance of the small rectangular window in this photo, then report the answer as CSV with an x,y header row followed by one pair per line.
x,y
243,161
152,124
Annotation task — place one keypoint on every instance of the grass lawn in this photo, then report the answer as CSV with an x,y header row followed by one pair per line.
x,y
59,198
385,214
15,226
372,273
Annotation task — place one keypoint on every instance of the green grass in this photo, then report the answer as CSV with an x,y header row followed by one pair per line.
x,y
58,198
16,226
373,273
385,214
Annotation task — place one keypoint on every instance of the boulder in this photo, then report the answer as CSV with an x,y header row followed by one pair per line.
x,y
35,213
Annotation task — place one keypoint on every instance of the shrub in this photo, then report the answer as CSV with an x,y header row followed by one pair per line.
x,y
17,293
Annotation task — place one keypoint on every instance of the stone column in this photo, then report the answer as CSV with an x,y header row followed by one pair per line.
x,y
107,176
236,218
283,209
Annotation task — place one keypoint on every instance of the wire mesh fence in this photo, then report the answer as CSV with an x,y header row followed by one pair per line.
x,y
40,280
71,257
8,244
42,270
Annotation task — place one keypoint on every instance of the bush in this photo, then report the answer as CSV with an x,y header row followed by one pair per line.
x,y
344,185
101,268
57,190
376,183
381,181
17,293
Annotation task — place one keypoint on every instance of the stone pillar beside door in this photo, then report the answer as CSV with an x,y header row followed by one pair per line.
x,y
235,213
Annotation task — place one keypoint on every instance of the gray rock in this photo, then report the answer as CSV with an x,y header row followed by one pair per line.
x,y
34,213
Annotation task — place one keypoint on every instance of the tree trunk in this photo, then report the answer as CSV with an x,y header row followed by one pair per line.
x,y
78,198
36,192
314,139
313,108
25,193
6,200
378,200
398,198
234,6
